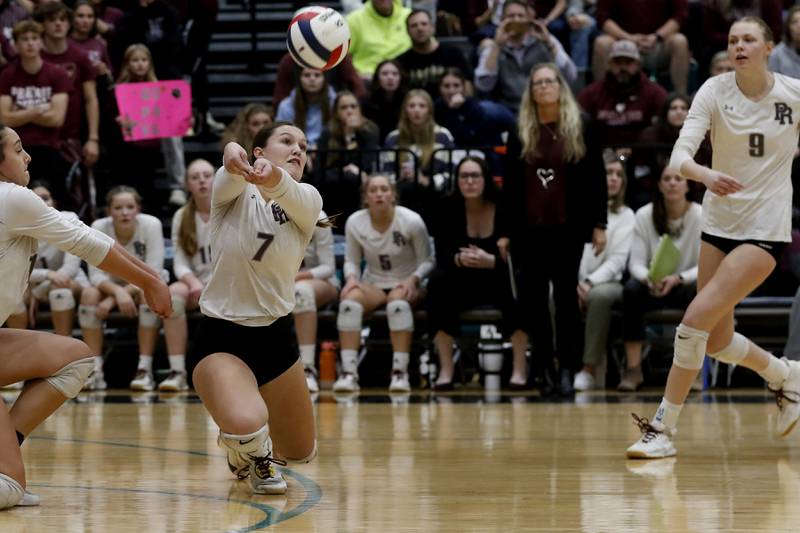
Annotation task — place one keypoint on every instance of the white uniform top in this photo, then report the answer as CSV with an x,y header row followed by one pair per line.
x,y
200,263
49,257
147,244
392,256
755,143
258,247
646,239
610,264
24,218
319,258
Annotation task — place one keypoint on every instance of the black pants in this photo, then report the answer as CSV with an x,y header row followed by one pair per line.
x,y
637,300
551,255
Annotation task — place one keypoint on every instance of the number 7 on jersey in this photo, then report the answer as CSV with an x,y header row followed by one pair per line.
x,y
268,238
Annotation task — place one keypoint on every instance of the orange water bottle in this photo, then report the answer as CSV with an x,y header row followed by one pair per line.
x,y
327,364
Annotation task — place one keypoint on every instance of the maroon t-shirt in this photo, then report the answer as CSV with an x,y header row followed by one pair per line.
x,y
546,181
96,49
642,16
79,69
29,90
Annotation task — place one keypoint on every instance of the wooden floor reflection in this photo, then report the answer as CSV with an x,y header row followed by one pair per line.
x,y
450,464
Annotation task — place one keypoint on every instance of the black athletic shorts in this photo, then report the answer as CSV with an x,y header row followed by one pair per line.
x,y
268,351
774,248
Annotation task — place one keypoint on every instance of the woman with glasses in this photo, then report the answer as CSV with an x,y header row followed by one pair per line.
x,y
558,201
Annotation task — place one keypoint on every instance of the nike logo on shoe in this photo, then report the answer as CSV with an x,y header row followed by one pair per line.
x,y
243,442
683,338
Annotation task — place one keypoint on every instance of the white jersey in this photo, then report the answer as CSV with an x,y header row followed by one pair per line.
x,y
258,247
755,143
147,244
392,256
24,218
319,258
49,257
200,263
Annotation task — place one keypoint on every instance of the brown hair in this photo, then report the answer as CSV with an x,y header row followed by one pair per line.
x,y
238,131
26,26
425,136
660,218
125,74
187,235
365,186
766,31
302,101
122,189
50,10
615,203
787,35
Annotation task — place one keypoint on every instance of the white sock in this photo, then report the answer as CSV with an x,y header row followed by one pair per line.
x,y
667,414
400,361
776,372
145,362
98,363
307,352
177,363
350,361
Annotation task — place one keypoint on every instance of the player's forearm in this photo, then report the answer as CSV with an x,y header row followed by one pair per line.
x,y
121,264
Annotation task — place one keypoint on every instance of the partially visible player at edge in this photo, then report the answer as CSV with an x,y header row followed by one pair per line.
x,y
53,367
753,115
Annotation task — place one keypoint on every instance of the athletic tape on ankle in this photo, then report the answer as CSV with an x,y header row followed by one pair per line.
x,y
250,443
71,378
306,460
735,352
11,492
690,347
61,300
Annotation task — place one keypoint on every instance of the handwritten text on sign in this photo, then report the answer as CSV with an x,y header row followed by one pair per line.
x,y
153,110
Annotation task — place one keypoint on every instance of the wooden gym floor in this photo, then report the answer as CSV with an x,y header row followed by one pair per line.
x,y
453,463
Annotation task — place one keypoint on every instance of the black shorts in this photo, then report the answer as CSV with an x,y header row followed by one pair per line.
x,y
773,248
268,351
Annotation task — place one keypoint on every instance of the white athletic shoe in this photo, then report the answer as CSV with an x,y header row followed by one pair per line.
x,y
238,463
399,382
95,381
655,442
311,379
787,396
265,478
29,499
347,382
143,380
175,382
584,381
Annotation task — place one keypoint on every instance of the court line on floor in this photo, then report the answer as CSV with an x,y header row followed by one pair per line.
x,y
312,490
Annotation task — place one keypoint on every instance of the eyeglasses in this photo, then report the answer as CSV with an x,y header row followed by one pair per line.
x,y
545,82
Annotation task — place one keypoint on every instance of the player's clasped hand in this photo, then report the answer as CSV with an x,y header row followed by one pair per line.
x,y
235,160
721,184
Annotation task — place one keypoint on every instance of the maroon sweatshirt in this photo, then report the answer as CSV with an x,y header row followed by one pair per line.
x,y
642,16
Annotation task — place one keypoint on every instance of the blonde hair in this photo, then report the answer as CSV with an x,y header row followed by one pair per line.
x,y
570,125
125,74
424,136
239,131
187,234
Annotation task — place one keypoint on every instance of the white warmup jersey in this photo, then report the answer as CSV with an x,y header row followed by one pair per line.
x,y
200,263
319,258
49,257
392,256
258,247
755,143
147,244
24,218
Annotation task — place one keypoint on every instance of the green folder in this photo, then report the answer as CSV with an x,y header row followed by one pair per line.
x,y
665,260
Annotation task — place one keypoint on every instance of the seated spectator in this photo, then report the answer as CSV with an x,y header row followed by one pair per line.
x,y
720,63
108,18
428,170
482,19
340,175
428,59
600,275
552,13
670,213
582,27
470,271
191,240
342,76
316,285
654,26
393,243
520,43
785,58
309,104
57,278
387,92
377,32
142,236
11,12
84,36
625,101
155,24
246,124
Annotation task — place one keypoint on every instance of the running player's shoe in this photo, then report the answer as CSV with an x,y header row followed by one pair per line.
x,y
655,442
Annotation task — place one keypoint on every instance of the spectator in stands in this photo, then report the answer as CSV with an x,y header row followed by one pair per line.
x,y
654,26
552,13
155,24
316,285
340,175
785,58
482,19
428,59
558,200
670,213
309,104
393,242
142,236
33,101
198,28
85,37
11,12
470,272
57,278
520,43
377,32
191,240
246,124
108,18
428,170
600,275
342,76
387,92
625,101
582,27
720,63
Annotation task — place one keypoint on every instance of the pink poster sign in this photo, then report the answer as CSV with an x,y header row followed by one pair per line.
x,y
153,110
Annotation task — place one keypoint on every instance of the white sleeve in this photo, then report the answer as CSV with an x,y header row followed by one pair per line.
x,y
485,79
638,264
300,201
694,129
422,249
617,253
28,215
97,276
353,252
227,187
180,263
71,266
154,241
327,261
563,61
38,275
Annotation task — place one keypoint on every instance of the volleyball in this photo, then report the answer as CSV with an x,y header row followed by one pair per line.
x,y
318,37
